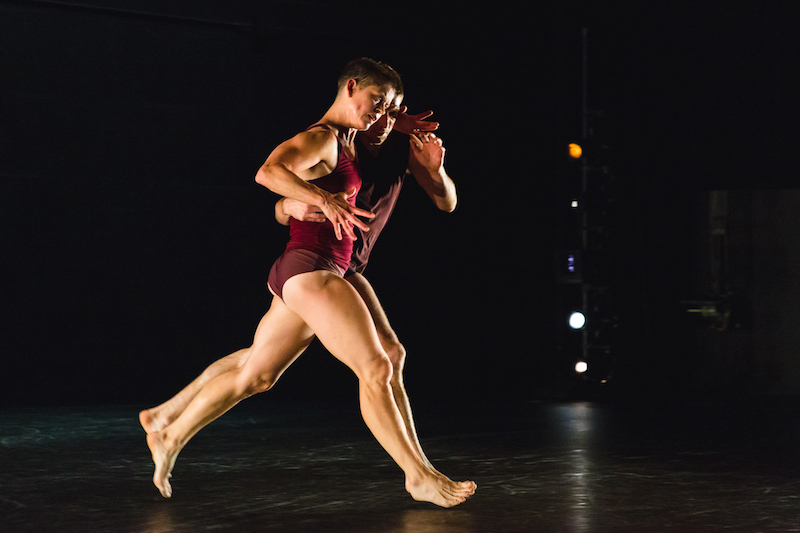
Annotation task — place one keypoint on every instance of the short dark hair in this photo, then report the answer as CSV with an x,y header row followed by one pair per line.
x,y
368,72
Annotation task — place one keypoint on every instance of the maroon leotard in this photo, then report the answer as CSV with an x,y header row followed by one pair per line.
x,y
314,246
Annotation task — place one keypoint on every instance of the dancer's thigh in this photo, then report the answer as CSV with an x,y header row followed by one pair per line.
x,y
281,336
367,293
339,317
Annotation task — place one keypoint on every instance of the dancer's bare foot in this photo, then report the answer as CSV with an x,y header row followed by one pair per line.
x,y
441,490
155,419
164,459
152,420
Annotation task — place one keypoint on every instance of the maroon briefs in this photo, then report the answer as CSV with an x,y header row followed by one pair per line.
x,y
299,261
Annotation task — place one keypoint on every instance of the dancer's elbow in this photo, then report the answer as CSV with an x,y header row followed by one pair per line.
x,y
270,174
264,175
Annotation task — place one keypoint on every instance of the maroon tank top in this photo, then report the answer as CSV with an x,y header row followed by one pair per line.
x,y
320,238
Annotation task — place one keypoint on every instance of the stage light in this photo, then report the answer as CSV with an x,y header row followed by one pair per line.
x,y
574,204
571,263
577,320
575,151
581,367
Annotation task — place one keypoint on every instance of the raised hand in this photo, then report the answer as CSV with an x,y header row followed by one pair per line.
x,y
410,124
429,150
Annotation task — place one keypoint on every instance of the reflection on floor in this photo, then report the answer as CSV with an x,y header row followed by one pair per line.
x,y
315,468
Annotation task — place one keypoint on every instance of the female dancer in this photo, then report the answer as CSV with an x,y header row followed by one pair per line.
x,y
318,167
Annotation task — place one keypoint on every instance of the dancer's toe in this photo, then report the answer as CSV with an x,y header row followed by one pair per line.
x,y
164,461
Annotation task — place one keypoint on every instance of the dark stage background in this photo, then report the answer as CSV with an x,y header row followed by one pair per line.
x,y
135,244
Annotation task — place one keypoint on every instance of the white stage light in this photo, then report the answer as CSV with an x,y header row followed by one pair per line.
x,y
577,320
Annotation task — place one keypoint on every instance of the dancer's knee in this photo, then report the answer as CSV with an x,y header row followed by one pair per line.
x,y
397,355
255,382
230,362
378,373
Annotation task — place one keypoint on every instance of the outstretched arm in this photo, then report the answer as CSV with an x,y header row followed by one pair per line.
x,y
426,163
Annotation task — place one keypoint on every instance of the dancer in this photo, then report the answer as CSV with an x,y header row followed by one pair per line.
x,y
386,153
312,298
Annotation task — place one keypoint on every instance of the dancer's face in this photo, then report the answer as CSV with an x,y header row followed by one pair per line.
x,y
368,104
378,132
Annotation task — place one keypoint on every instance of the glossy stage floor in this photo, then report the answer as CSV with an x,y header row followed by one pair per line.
x,y
540,467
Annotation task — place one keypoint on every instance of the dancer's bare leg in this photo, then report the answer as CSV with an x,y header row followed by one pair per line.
x,y
157,418
342,322
280,338
396,353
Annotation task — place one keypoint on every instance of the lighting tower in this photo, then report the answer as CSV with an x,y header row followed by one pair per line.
x,y
584,270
